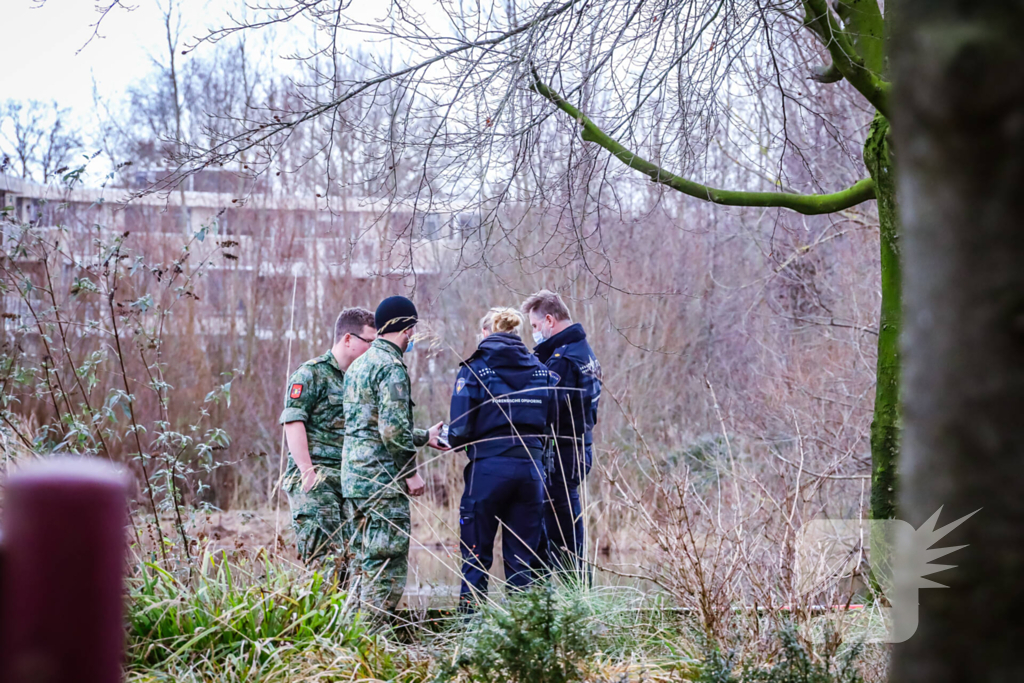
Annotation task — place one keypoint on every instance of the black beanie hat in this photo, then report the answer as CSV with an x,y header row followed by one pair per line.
x,y
395,314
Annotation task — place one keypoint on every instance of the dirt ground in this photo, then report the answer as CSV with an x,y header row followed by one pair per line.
x,y
434,558
433,565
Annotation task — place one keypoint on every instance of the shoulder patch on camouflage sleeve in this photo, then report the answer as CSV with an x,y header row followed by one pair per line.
x,y
397,390
296,391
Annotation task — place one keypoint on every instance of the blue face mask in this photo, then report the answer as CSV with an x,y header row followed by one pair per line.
x,y
409,346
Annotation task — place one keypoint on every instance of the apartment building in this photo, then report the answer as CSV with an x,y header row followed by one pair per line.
x,y
247,244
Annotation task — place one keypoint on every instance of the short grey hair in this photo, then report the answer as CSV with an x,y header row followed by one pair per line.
x,y
545,302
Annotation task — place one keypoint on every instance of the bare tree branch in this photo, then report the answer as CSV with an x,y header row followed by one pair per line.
x,y
845,58
806,204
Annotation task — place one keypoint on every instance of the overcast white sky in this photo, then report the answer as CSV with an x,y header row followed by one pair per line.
x,y
40,58
46,53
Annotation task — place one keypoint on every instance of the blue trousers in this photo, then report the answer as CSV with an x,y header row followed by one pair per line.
x,y
506,491
562,542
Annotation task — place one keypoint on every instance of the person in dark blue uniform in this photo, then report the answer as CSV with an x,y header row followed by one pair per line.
x,y
562,347
501,409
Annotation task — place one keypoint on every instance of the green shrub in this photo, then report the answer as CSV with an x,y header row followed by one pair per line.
x,y
717,667
537,637
795,664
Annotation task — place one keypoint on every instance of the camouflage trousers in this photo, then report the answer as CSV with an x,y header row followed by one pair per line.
x,y
379,530
318,519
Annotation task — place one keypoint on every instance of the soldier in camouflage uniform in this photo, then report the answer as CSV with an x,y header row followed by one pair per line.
x,y
314,421
378,470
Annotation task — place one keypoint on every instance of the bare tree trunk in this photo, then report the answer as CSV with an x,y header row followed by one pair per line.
x,y
172,31
959,126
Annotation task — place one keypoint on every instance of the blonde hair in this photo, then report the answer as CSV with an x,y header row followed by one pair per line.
x,y
502,319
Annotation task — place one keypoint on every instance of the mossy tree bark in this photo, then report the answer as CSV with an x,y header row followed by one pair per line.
x,y
885,423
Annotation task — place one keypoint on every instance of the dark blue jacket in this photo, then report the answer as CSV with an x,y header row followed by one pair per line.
x,y
578,376
502,401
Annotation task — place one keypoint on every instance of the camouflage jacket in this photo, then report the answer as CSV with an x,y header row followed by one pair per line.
x,y
380,442
314,396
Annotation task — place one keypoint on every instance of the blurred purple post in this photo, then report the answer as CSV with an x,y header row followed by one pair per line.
x,y
61,576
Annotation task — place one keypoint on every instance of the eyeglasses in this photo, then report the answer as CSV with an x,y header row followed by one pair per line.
x,y
368,341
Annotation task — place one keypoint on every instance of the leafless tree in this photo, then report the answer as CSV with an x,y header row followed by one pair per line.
x,y
37,138
674,90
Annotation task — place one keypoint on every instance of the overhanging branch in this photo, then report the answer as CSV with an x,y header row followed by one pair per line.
x,y
845,57
810,205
